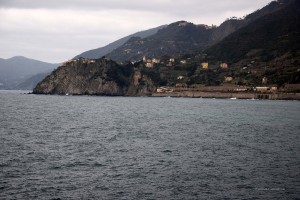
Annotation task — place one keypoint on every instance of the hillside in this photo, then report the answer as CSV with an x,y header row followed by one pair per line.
x,y
99,52
15,70
271,36
32,81
231,25
264,52
179,37
269,46
184,37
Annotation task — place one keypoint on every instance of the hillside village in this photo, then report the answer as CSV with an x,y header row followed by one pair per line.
x,y
195,76
241,58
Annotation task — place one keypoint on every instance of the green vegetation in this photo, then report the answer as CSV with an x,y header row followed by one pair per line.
x,y
121,74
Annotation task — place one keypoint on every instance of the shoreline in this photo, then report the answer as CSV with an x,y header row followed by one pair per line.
x,y
230,95
193,94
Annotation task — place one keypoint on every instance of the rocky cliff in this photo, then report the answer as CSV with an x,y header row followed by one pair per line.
x,y
96,77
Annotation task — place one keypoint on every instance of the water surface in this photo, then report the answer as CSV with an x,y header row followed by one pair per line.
x,y
84,147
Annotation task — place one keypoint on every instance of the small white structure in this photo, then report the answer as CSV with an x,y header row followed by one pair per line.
x,y
149,65
228,79
155,60
264,80
266,89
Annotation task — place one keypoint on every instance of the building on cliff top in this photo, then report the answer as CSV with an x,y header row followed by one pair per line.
x,y
224,65
204,65
149,65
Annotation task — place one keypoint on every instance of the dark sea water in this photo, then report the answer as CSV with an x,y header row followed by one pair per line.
x,y
84,147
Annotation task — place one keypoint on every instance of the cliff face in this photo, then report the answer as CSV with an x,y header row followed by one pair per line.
x,y
141,85
96,77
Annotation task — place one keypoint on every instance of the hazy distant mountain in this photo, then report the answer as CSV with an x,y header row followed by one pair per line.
x,y
16,70
31,82
99,52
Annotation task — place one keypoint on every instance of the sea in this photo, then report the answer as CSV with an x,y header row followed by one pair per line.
x,y
91,147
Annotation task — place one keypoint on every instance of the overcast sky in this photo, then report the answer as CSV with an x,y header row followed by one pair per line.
x,y
57,30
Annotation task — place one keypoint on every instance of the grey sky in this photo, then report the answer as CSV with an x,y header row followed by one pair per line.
x,y
57,30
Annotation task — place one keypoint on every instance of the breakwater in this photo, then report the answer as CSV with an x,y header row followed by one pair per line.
x,y
227,95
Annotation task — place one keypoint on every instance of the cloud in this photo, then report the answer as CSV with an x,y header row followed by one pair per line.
x,y
58,30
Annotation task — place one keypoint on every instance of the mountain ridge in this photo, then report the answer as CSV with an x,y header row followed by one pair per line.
x,y
102,51
15,70
167,41
182,36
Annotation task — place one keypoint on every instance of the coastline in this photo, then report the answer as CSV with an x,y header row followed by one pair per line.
x,y
229,95
209,95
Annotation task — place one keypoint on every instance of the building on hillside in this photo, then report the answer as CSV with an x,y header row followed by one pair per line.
x,y
155,60
149,65
89,61
69,62
273,88
180,77
172,60
264,80
241,89
266,89
224,65
228,78
183,61
204,65
159,90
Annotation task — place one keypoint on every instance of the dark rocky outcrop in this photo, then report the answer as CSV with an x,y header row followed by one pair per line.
x,y
96,77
